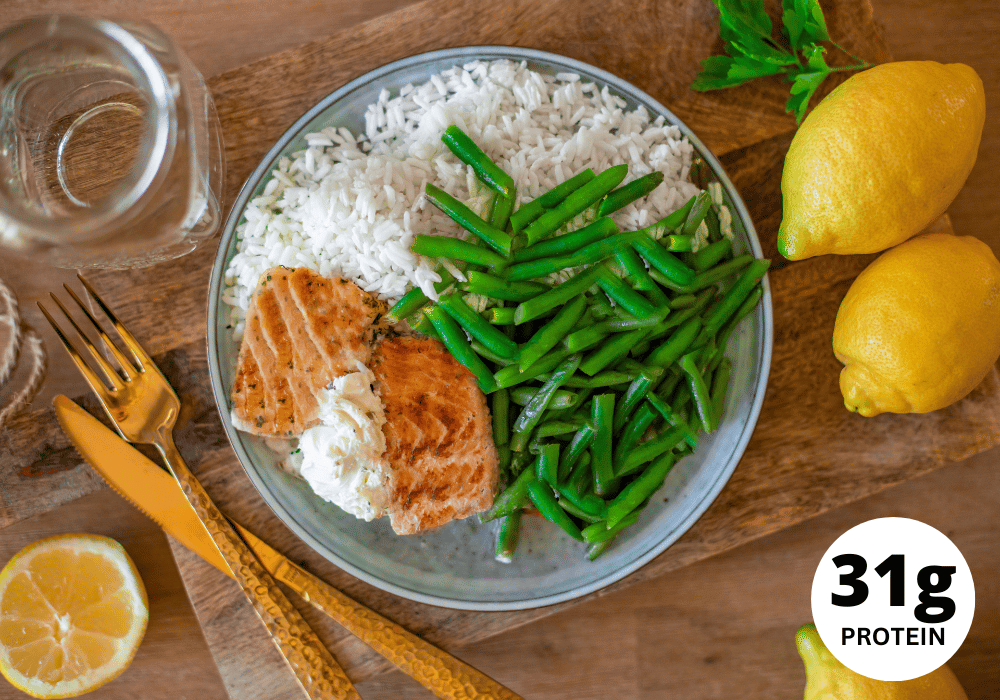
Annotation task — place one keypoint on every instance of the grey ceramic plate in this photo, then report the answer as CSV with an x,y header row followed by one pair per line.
x,y
454,567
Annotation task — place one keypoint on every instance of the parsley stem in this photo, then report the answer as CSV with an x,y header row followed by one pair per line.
x,y
864,65
861,62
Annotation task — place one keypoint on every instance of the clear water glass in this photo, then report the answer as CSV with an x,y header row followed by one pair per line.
x,y
110,146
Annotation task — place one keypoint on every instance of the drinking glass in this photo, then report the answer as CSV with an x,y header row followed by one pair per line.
x,y
110,146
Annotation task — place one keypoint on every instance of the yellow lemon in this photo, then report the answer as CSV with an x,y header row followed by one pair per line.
x,y
828,679
880,158
73,612
920,326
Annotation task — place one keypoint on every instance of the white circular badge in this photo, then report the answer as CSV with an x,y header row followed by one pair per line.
x,y
893,599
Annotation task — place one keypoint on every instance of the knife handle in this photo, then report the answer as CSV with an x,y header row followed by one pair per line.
x,y
444,675
314,666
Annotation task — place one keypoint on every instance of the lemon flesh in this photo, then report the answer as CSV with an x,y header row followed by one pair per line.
x,y
828,679
73,612
920,327
880,158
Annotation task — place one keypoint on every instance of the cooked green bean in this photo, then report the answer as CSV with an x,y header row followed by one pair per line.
x,y
448,247
673,418
469,220
562,398
635,270
576,511
640,489
538,306
487,354
680,340
576,202
650,450
625,296
635,393
548,507
533,209
467,151
531,414
600,380
477,327
500,316
553,428
508,536
512,375
513,498
596,549
603,408
586,338
720,383
601,531
568,242
735,295
678,243
415,299
588,255
549,335
629,192
636,427
702,401
500,408
612,351
496,288
711,255
577,446
590,503
454,339
748,305
548,464
670,222
702,203
501,208
666,263
716,274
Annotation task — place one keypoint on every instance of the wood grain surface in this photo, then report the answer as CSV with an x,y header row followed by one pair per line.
x,y
698,631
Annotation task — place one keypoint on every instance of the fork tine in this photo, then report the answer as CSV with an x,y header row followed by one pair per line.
x,y
127,367
142,358
110,373
95,382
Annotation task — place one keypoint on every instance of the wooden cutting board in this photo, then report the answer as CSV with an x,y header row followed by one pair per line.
x,y
807,455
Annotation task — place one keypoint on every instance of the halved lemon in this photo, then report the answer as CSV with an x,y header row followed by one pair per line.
x,y
73,612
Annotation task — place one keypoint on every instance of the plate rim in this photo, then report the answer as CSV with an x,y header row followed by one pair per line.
x,y
459,54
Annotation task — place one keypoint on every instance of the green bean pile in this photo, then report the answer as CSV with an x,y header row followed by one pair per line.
x,y
598,383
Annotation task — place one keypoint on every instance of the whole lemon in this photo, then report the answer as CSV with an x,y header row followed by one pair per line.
x,y
920,326
828,679
880,158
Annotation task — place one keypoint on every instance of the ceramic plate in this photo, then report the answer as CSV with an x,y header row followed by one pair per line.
x,y
454,567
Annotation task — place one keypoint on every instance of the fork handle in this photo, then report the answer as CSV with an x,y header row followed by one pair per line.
x,y
314,666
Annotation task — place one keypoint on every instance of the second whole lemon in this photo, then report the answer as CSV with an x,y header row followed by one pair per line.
x,y
880,158
828,679
920,327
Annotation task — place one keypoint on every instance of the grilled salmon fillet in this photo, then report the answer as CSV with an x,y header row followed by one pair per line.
x,y
438,432
303,331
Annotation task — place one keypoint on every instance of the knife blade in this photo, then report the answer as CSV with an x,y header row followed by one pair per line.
x,y
156,493
138,479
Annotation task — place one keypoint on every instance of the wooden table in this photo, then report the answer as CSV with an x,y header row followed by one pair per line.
x,y
714,617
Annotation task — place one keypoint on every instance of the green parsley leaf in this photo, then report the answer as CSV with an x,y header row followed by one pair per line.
x,y
752,51
805,83
723,71
804,23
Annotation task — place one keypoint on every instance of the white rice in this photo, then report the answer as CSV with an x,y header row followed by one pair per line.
x,y
349,205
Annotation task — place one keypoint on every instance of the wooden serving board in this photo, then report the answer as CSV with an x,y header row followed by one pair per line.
x,y
807,455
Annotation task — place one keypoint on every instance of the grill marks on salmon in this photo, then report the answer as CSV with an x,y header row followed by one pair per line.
x,y
439,436
303,331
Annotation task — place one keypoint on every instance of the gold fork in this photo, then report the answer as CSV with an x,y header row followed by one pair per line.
x,y
143,407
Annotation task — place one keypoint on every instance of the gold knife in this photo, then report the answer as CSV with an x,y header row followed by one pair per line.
x,y
156,493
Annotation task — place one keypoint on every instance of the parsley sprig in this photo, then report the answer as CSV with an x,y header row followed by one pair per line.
x,y
753,52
